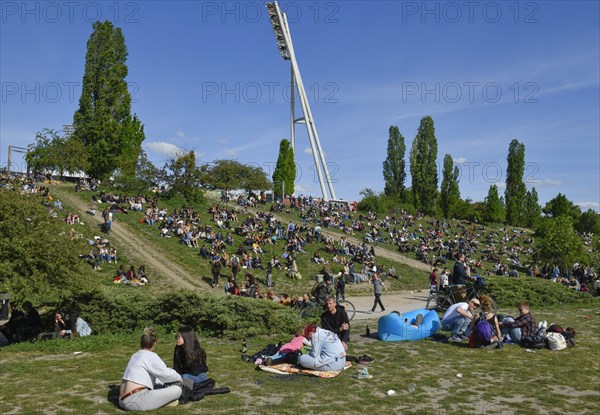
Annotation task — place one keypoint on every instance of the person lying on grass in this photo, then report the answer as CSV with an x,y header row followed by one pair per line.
x,y
287,353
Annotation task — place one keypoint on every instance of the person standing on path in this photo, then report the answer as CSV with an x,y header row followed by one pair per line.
x,y
377,284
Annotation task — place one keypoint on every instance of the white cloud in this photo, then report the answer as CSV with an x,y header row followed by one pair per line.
x,y
180,134
501,185
544,182
222,141
459,160
230,152
298,189
588,205
307,150
163,148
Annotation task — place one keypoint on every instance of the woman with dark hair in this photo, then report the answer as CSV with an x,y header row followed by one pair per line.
x,y
189,359
144,374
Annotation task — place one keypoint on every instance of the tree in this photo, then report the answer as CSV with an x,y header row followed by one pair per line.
x,y
558,243
533,210
103,123
38,256
560,205
515,191
450,193
423,167
183,177
145,175
589,222
40,156
394,166
493,209
231,174
284,175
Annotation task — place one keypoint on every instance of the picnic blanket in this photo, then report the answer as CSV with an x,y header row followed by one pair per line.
x,y
289,369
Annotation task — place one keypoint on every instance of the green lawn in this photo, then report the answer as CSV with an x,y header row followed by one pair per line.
x,y
47,377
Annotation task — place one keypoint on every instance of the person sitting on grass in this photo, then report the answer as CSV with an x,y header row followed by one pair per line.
x,y
286,353
457,319
335,319
487,313
327,352
140,387
521,327
189,358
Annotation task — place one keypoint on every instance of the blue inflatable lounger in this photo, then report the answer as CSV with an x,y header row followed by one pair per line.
x,y
395,328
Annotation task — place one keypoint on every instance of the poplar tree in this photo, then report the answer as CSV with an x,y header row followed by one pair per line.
x,y
450,193
515,192
103,123
423,167
284,175
394,166
533,210
493,206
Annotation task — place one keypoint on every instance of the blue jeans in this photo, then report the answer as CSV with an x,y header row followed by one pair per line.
x,y
197,379
515,333
458,325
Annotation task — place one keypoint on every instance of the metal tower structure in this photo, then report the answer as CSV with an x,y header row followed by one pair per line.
x,y
286,49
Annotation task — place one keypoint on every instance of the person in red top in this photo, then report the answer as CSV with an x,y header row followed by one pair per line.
x,y
521,327
433,281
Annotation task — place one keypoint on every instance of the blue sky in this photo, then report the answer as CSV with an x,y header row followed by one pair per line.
x,y
207,76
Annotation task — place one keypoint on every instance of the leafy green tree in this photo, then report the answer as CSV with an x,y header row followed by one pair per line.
x,y
231,174
450,193
560,205
515,191
423,167
394,166
284,175
103,123
146,175
184,177
38,257
533,210
493,206
40,156
558,243
589,222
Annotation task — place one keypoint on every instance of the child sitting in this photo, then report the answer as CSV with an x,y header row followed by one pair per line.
x,y
287,352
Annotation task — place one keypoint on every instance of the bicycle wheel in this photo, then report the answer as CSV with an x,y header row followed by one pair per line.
x,y
350,309
438,302
310,312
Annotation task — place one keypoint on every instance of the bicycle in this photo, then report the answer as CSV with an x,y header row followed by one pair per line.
x,y
313,309
442,300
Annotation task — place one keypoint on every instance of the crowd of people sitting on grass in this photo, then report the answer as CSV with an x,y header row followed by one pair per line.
x,y
131,277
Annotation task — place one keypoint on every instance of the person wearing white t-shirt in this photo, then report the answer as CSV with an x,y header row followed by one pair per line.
x,y
458,318
145,373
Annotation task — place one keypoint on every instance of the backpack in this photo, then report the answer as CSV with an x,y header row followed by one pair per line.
x,y
556,341
534,342
483,330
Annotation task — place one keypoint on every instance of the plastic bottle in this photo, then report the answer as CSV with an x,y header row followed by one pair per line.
x,y
244,347
411,387
368,332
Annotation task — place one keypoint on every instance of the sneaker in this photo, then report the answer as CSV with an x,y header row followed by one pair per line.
x,y
419,319
365,359
173,403
463,337
454,339
246,358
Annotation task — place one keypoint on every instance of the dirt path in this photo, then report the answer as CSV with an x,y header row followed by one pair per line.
x,y
136,247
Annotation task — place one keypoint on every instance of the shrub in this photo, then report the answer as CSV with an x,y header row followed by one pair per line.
x,y
538,292
229,317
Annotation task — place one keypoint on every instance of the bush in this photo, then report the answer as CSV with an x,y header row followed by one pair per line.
x,y
229,317
538,292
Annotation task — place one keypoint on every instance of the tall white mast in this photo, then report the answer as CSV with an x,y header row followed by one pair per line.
x,y
286,49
